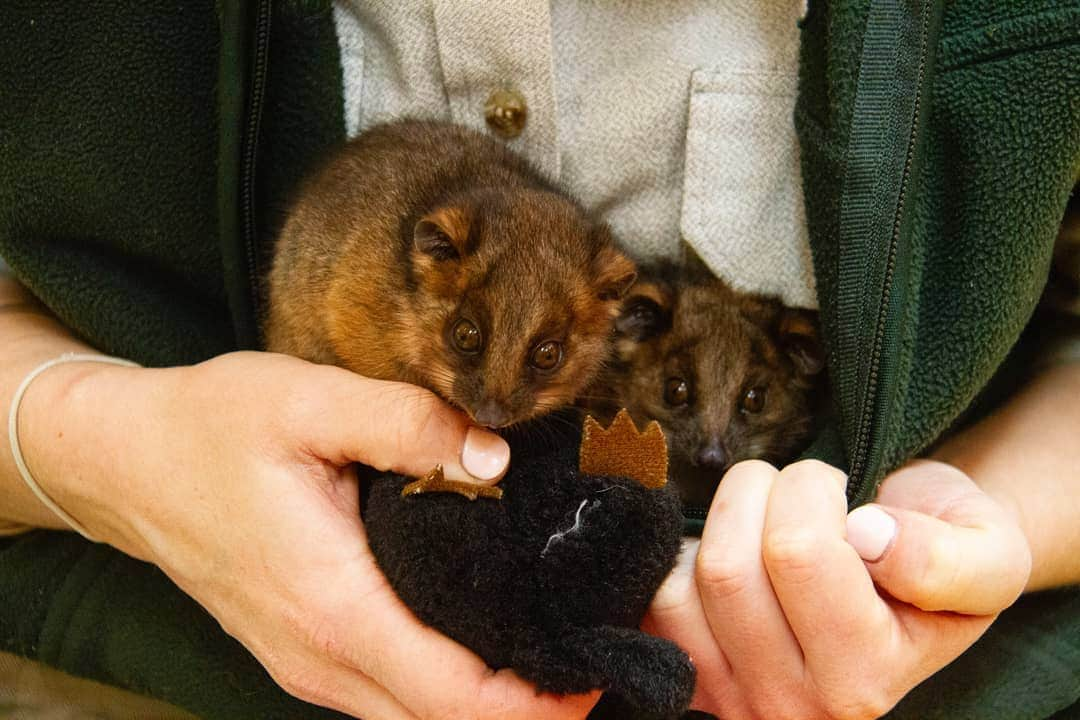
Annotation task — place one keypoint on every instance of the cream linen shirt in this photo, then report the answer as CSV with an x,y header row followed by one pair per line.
x,y
672,120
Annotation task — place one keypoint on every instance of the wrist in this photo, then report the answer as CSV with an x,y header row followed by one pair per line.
x,y
76,422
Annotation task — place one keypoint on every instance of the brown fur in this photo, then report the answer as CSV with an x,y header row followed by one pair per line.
x,y
413,226
690,325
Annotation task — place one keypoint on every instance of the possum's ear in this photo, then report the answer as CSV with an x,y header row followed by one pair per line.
x,y
798,334
443,234
614,272
646,311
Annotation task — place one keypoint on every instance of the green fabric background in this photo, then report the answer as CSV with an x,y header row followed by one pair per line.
x,y
108,142
118,208
1001,154
111,163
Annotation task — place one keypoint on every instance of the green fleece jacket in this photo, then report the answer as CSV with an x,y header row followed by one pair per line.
x,y
148,150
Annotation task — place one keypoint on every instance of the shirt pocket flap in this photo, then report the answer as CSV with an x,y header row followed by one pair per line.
x,y
742,207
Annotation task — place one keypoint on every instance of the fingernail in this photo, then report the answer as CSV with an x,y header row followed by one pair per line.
x,y
485,454
870,530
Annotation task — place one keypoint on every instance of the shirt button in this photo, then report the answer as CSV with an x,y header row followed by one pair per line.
x,y
505,113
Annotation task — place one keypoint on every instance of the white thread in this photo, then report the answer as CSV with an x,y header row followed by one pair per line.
x,y
13,430
609,488
576,527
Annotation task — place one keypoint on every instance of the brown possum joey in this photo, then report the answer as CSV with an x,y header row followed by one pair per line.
x,y
729,376
431,254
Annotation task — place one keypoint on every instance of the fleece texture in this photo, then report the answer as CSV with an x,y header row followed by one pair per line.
x,y
113,172
993,169
108,193
1000,155
552,580
118,208
93,612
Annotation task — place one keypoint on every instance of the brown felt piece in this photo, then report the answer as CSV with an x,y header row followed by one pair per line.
x,y
624,452
434,481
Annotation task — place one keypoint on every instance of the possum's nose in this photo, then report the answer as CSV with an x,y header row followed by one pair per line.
x,y
713,456
492,414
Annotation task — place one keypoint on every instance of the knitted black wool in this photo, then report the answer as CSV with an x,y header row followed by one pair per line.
x,y
551,581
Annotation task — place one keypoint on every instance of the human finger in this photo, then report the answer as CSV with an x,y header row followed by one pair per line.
x,y
742,609
843,626
329,684
401,428
676,613
973,559
431,674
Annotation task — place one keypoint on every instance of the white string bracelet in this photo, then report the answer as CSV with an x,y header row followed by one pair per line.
x,y
13,430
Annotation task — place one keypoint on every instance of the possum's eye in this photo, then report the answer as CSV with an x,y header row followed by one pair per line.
x,y
753,400
676,392
546,355
466,336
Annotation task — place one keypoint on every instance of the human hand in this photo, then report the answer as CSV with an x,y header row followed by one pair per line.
x,y
781,614
236,477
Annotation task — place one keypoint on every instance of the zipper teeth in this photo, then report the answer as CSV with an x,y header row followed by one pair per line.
x,y
862,441
247,200
695,512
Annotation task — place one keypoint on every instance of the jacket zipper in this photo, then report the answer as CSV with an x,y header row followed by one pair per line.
x,y
872,406
695,512
260,60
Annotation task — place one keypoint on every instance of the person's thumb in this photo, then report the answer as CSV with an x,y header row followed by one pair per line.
x,y
405,429
972,559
